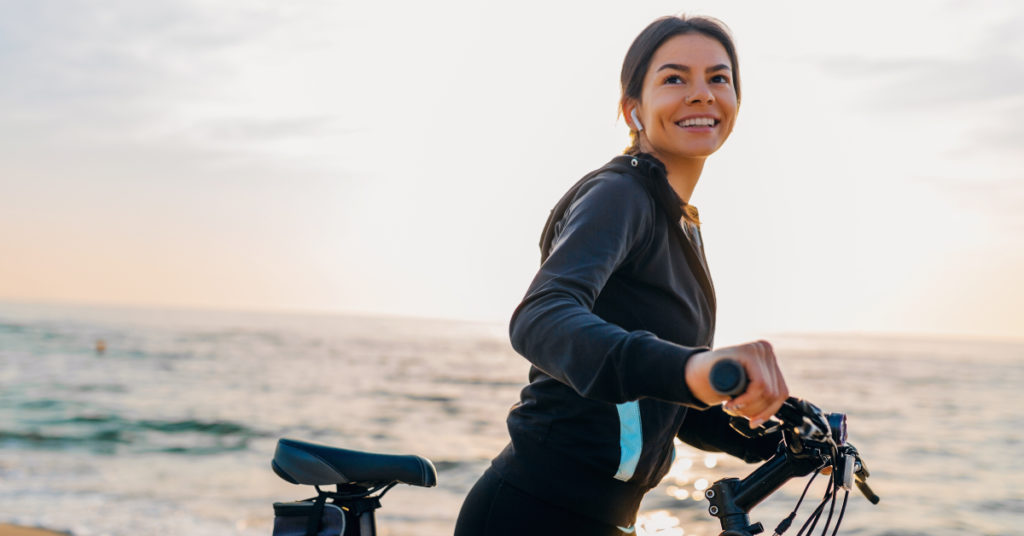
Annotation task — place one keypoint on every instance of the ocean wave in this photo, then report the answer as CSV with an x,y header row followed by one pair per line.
x,y
1014,506
43,403
12,328
109,434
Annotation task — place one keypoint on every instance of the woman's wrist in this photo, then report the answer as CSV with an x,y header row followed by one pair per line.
x,y
698,378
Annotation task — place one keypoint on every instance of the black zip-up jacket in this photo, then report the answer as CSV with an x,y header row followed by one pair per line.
x,y
622,300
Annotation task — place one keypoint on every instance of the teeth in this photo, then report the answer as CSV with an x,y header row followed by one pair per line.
x,y
697,122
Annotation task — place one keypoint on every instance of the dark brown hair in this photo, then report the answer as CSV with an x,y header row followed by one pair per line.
x,y
638,57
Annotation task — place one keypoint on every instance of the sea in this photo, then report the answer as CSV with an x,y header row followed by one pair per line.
x,y
128,421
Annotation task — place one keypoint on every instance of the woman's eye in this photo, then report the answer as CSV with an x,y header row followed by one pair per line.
x,y
720,79
674,79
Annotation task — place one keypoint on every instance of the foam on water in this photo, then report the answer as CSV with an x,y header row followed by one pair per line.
x,y
171,429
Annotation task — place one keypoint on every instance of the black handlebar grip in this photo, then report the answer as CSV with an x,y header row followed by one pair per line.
x,y
728,377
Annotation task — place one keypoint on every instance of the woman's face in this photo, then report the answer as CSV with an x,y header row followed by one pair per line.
x,y
688,103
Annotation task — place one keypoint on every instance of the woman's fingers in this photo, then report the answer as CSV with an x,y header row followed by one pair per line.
x,y
767,388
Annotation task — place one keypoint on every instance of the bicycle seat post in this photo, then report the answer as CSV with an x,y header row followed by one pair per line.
x,y
367,524
364,510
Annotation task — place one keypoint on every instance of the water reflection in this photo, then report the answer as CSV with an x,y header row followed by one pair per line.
x,y
658,523
681,474
678,493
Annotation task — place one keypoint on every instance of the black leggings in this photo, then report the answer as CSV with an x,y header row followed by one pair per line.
x,y
495,508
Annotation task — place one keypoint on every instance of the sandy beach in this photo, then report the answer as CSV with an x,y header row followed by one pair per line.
x,y
14,530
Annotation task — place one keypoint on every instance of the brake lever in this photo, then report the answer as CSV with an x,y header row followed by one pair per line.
x,y
742,426
861,475
866,490
795,413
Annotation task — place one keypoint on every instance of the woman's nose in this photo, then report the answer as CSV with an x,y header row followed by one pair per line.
x,y
701,93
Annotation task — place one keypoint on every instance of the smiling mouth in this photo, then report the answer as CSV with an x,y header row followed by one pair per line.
x,y
698,122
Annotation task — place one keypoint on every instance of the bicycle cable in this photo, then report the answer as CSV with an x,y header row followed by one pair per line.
x,y
812,520
783,525
841,512
832,508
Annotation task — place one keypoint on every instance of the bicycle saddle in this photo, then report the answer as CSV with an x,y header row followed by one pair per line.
x,y
301,462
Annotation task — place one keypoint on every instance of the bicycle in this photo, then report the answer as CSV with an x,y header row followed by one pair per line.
x,y
811,441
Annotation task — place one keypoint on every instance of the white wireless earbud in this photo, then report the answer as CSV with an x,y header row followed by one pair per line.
x,y
636,121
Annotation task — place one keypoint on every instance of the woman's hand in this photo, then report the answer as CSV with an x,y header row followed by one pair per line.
x,y
765,392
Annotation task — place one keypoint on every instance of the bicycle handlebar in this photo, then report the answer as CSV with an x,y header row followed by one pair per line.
x,y
728,377
812,439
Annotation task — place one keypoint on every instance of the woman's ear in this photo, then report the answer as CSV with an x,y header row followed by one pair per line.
x,y
636,120
629,112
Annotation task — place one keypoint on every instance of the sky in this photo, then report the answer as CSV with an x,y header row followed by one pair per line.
x,y
401,157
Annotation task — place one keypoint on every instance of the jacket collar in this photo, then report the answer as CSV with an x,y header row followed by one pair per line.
x,y
648,167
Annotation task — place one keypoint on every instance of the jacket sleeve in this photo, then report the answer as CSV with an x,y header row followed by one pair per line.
x,y
610,220
710,430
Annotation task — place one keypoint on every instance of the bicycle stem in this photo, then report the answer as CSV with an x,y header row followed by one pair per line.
x,y
732,499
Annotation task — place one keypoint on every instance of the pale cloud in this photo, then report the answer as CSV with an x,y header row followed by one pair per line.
x,y
86,69
956,117
981,63
923,84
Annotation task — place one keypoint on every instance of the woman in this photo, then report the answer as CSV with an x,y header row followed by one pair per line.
x,y
619,321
